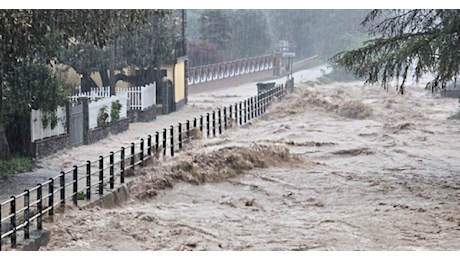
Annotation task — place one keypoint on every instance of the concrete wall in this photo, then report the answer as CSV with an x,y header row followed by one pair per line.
x,y
179,81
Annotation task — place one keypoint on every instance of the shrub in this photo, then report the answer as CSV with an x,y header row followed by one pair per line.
x,y
115,112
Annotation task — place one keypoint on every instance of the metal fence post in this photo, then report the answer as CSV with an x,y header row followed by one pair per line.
x,y
201,123
225,118
245,110
230,114
180,136
264,101
194,123
252,107
157,141
88,179
122,165
257,105
207,123
214,123
164,142
62,184
187,128
236,113
51,198
132,155
26,215
39,207
13,221
75,185
112,173
141,155
172,140
101,175
149,145
219,122
241,113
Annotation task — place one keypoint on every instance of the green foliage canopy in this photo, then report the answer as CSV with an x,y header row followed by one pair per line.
x,y
427,39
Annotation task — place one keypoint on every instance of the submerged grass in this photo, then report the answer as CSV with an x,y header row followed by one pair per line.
x,y
15,165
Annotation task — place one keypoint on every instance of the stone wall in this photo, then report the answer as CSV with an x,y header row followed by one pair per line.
x,y
180,104
100,133
147,115
47,146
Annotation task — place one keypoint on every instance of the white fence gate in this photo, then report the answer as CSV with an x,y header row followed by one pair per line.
x,y
140,98
38,132
149,96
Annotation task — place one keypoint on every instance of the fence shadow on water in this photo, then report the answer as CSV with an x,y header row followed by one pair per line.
x,y
90,180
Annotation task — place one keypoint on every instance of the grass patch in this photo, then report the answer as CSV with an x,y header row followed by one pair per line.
x,y
81,195
15,165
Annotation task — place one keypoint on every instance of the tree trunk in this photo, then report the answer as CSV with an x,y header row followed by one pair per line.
x,y
5,153
87,83
113,83
104,77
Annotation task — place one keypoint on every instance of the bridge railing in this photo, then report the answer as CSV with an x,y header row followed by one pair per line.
x,y
219,71
90,180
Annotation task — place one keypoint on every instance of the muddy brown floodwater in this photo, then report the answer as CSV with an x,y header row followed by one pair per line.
x,y
335,167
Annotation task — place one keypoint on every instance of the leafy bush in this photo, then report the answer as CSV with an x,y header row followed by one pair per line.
x,y
16,164
115,112
102,117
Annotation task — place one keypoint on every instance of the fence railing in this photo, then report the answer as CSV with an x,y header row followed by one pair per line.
x,y
19,213
213,72
139,98
93,95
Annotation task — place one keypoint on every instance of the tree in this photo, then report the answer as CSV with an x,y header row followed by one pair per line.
x,y
427,39
137,48
307,29
28,36
202,53
31,86
251,35
215,28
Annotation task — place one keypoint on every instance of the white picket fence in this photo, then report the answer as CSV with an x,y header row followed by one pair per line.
x,y
93,95
140,98
149,96
95,107
38,132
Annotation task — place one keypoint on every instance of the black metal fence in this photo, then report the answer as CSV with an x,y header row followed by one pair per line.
x,y
20,213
